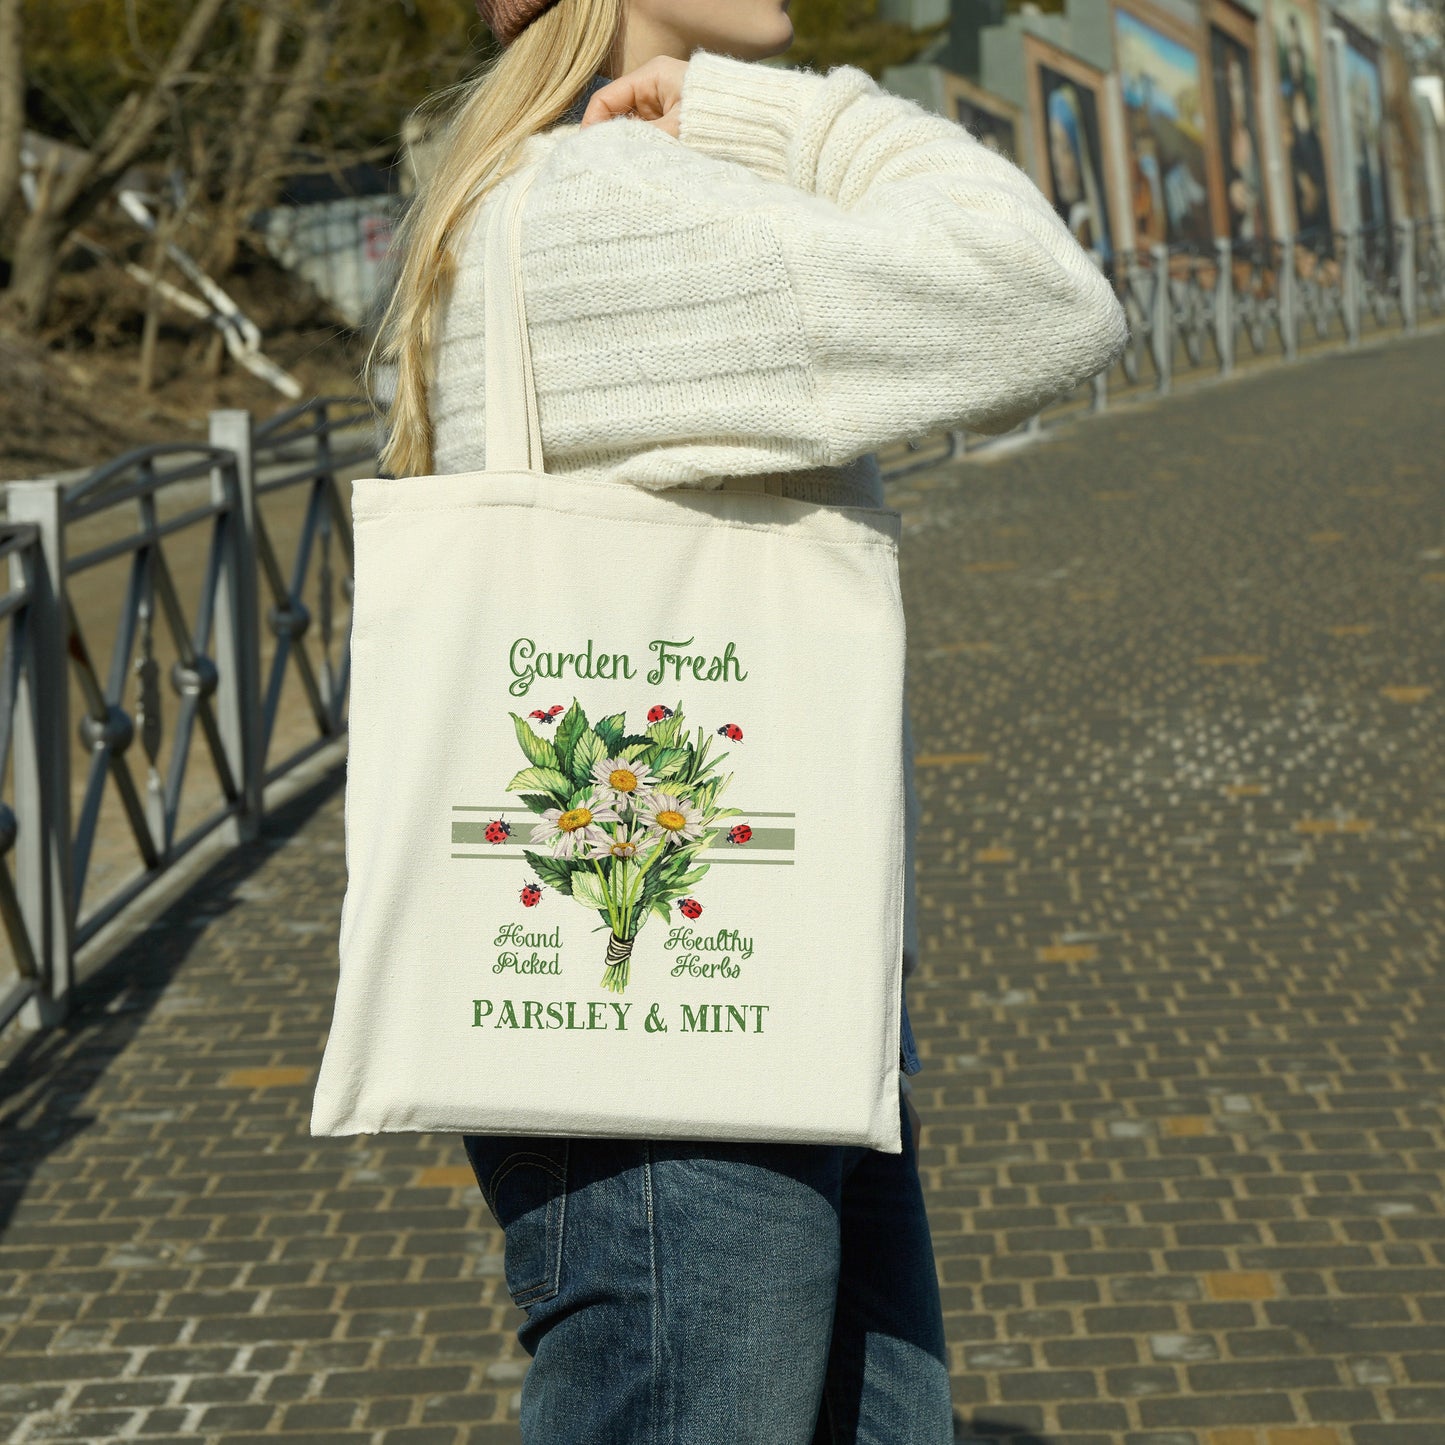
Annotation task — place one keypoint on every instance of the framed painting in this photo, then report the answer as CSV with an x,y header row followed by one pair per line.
x,y
1298,49
993,121
1237,155
1070,154
1365,98
1161,86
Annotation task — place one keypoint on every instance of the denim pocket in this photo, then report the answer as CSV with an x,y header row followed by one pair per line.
x,y
524,1182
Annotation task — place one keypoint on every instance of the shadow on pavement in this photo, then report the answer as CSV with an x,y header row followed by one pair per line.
x,y
45,1077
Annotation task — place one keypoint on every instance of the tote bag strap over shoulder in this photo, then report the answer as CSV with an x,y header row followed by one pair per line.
x,y
514,435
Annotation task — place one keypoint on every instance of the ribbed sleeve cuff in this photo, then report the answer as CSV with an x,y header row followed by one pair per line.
x,y
740,110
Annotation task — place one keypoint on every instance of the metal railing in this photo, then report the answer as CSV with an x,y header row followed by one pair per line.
x,y
259,516
1196,309
209,516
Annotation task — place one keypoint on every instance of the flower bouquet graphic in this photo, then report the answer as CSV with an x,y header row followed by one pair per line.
x,y
623,817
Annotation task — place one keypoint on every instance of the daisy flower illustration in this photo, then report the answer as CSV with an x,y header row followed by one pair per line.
x,y
569,829
619,781
625,842
673,819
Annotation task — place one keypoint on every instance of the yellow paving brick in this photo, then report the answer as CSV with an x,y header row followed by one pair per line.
x,y
994,855
1067,953
1302,1435
1240,1284
1244,790
1333,825
446,1176
947,760
1185,1126
1231,659
1406,694
1433,577
1326,539
272,1078
1352,629
1115,496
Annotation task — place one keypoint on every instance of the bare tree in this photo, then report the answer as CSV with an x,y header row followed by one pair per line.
x,y
12,101
277,102
73,195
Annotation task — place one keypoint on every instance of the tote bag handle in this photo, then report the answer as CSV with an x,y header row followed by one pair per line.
x,y
514,435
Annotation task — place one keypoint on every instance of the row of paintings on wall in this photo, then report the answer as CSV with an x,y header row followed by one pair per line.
x,y
1178,90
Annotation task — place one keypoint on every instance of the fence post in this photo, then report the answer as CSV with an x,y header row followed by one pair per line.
x,y
1162,320
1408,277
238,637
1224,303
1353,284
1288,294
1099,382
44,884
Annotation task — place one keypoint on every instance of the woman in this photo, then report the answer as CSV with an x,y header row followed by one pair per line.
x,y
732,272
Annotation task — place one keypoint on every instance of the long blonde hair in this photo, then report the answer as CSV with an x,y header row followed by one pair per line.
x,y
484,120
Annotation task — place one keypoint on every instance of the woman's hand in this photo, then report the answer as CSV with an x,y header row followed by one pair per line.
x,y
652,92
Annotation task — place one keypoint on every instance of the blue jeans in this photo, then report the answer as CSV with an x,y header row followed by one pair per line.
x,y
696,1294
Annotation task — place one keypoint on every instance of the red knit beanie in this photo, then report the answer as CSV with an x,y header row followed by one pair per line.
x,y
507,18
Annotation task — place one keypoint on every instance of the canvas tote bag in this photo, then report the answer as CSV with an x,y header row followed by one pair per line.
x,y
624,800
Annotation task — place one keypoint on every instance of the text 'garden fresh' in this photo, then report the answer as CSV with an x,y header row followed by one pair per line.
x,y
528,662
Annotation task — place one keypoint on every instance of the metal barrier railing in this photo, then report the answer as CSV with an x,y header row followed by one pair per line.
x,y
1195,309
211,515
260,510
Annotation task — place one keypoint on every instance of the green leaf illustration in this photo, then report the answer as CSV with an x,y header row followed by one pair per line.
x,y
587,889
632,751
588,749
610,730
665,730
622,876
667,761
539,750
571,727
539,802
633,739
549,779
661,907
552,871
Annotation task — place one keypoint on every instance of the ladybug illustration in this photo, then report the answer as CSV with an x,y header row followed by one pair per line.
x,y
732,732
546,715
739,833
656,714
531,895
689,908
498,831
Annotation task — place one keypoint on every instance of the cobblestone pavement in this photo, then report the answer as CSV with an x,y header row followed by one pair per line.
x,y
1177,675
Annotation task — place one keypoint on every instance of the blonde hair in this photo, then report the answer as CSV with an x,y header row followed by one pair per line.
x,y
484,121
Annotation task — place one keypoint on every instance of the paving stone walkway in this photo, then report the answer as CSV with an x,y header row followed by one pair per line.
x,y
1178,678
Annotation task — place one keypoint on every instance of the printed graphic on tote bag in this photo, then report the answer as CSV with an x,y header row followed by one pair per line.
x,y
623,817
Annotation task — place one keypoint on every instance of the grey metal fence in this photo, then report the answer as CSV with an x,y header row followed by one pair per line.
x,y
192,538
254,525
1193,310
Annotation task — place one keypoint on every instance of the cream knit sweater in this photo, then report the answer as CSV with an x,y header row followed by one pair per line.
x,y
814,268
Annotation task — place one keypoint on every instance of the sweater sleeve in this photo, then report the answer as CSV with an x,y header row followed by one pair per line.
x,y
936,284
